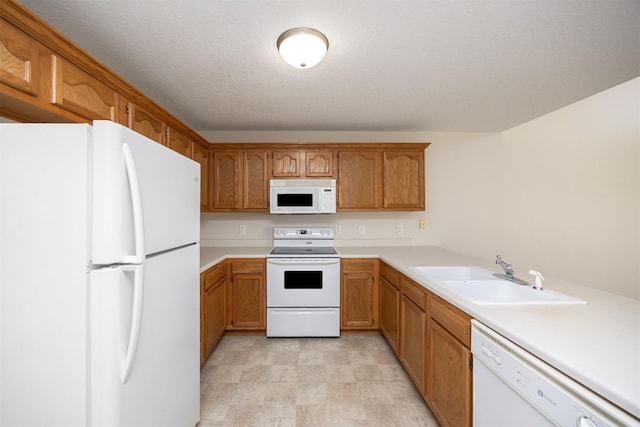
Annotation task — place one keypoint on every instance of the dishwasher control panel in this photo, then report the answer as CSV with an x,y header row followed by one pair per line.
x,y
560,398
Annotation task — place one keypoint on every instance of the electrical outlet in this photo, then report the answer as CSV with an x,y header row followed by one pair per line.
x,y
361,229
243,230
423,223
338,229
399,230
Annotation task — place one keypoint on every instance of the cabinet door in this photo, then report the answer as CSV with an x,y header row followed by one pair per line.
x,y
389,312
255,187
214,313
413,324
286,164
179,142
18,59
359,294
79,92
403,180
449,390
145,123
359,176
201,155
247,297
319,164
227,169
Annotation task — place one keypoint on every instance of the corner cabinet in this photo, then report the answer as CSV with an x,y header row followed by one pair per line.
x,y
359,297
246,296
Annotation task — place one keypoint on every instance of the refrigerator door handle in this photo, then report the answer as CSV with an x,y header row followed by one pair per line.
x,y
136,319
136,203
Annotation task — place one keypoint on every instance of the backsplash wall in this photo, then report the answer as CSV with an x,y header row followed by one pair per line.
x,y
380,228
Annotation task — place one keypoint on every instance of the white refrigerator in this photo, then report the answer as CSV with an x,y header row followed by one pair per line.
x,y
99,278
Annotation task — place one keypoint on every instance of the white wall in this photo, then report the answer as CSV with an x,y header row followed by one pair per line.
x,y
560,194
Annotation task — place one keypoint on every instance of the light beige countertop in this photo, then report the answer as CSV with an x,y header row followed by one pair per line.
x,y
597,343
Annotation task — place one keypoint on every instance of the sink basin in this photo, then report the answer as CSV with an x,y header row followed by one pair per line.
x,y
503,292
440,274
481,287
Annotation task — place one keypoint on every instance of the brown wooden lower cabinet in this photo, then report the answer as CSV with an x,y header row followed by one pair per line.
x,y
359,300
390,305
213,303
246,299
413,328
449,374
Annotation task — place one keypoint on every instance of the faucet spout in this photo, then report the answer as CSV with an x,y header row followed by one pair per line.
x,y
508,268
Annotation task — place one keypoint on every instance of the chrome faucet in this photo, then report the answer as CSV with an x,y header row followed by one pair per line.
x,y
508,268
508,272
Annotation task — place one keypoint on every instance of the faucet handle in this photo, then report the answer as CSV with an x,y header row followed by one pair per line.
x,y
538,281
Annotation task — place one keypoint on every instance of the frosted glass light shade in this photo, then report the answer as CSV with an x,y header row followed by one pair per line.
x,y
302,47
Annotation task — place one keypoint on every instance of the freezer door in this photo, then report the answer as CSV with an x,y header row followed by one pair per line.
x,y
145,345
146,197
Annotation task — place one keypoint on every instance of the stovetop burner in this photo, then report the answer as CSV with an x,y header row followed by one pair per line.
x,y
289,250
302,242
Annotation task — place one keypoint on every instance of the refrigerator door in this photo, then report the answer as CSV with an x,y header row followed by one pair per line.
x,y
146,197
145,365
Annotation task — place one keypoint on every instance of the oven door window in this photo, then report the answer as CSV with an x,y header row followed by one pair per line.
x,y
303,279
295,200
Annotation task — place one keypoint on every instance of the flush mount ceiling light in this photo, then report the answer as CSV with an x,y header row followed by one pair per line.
x,y
302,47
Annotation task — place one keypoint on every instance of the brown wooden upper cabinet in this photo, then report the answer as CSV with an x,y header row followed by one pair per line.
x,y
359,180
78,92
19,60
144,122
403,180
201,155
239,181
381,179
179,142
302,164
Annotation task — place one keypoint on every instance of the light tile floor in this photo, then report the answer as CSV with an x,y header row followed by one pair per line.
x,y
354,380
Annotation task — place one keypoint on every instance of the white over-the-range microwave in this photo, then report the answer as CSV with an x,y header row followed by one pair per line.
x,y
302,196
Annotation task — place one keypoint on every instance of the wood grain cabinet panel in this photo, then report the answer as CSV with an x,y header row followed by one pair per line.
x,y
390,306
255,188
359,290
213,307
449,374
319,164
403,178
225,182
359,176
77,91
246,300
286,164
18,60
413,328
179,142
145,123
201,155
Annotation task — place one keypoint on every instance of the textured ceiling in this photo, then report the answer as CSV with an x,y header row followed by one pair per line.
x,y
476,66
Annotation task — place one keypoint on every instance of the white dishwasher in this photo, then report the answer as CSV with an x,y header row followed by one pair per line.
x,y
511,387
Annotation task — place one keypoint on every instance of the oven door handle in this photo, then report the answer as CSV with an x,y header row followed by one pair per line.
x,y
302,261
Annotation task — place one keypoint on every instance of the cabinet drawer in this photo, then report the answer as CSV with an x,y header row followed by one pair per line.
x,y
247,267
214,274
452,319
358,266
390,274
414,292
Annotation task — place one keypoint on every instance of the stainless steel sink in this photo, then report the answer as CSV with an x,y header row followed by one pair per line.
x,y
481,287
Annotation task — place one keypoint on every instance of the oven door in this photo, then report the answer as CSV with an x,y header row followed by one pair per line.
x,y
303,282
